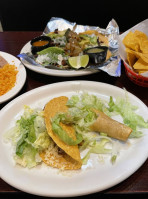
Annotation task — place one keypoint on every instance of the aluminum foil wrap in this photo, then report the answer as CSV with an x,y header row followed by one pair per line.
x,y
113,66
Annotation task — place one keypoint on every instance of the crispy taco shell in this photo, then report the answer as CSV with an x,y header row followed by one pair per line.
x,y
53,107
62,161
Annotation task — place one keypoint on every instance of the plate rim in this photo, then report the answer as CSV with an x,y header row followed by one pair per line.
x,y
95,189
5,97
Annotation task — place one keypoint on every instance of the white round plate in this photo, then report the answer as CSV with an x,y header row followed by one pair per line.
x,y
46,71
20,79
99,174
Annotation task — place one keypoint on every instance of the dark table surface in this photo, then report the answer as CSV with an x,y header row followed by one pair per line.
x,y
136,186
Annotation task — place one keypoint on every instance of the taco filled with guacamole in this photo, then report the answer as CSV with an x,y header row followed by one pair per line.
x,y
63,153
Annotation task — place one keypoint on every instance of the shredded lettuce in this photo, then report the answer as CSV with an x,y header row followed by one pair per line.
x,y
97,148
86,101
29,136
113,159
88,40
130,118
81,109
80,114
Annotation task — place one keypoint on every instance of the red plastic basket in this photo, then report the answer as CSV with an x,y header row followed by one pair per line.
x,y
136,78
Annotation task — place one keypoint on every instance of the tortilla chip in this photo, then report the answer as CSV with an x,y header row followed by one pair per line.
x,y
140,71
143,56
130,41
109,54
140,64
140,35
144,46
60,161
53,107
131,58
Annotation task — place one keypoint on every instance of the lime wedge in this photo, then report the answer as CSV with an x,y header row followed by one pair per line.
x,y
78,61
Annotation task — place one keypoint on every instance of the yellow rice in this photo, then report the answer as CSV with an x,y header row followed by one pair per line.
x,y
7,78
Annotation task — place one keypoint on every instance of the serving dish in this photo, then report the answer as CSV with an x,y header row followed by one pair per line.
x,y
70,40
21,76
53,72
99,174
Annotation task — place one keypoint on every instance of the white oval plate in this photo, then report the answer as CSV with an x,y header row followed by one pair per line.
x,y
20,79
46,71
99,174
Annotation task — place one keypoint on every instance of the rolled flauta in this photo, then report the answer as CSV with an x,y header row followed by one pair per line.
x,y
111,127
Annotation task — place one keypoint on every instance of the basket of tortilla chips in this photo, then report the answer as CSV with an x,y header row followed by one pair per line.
x,y
136,78
135,55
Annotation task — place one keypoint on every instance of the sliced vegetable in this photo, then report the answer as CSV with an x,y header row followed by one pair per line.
x,y
79,61
62,134
55,50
